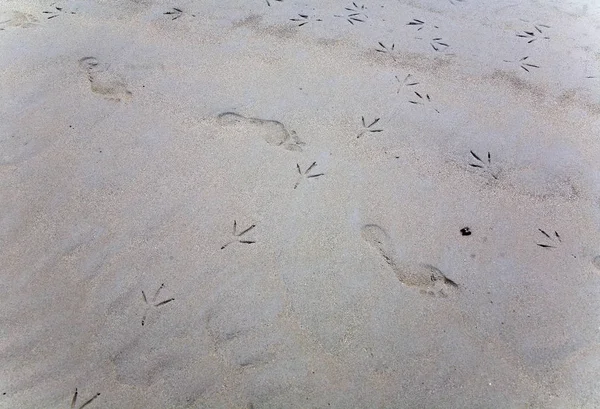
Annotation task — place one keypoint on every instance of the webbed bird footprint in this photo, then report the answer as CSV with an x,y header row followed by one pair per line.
x,y
103,81
427,278
273,132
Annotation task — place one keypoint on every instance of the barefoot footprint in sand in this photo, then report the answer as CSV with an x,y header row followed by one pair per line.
x,y
428,279
103,81
273,132
18,19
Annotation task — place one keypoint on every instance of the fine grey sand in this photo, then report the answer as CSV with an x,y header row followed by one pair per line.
x,y
286,204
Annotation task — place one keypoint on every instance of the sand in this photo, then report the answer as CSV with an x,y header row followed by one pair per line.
x,y
259,204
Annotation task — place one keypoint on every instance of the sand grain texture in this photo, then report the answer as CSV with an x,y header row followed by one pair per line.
x,y
259,204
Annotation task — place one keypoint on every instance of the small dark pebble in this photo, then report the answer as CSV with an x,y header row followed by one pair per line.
x,y
465,231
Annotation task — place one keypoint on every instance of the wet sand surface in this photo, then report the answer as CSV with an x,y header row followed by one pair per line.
x,y
285,204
